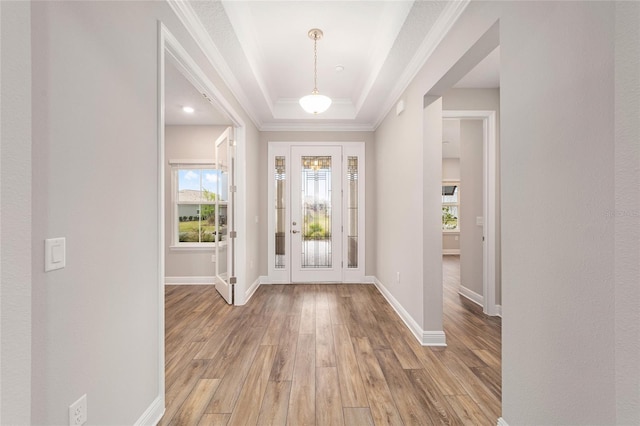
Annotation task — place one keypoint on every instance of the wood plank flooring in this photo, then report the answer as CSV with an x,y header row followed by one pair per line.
x,y
326,355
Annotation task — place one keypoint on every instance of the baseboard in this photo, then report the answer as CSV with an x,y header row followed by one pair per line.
x,y
252,289
434,338
471,295
451,252
189,280
426,338
153,413
502,422
499,310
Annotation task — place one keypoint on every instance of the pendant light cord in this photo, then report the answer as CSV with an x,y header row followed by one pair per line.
x,y
315,63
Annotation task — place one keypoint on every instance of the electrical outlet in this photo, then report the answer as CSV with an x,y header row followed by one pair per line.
x,y
398,277
78,411
213,257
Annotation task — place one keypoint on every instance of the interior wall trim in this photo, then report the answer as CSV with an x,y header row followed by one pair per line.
x,y
502,422
190,20
153,413
425,338
440,29
190,280
471,295
252,289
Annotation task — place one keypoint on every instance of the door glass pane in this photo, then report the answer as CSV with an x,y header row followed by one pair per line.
x,y
316,212
352,212
281,209
220,180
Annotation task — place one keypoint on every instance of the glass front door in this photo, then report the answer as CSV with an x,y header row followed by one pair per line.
x,y
316,214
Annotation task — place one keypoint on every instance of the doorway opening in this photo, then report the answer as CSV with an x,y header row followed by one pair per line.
x,y
198,197
476,217
316,212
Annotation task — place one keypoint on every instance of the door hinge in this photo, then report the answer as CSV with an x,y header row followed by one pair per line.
x,y
233,188
233,280
233,234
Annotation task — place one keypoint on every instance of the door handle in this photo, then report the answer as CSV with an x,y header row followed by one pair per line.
x,y
294,231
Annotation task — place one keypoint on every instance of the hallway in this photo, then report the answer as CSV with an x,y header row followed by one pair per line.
x,y
325,354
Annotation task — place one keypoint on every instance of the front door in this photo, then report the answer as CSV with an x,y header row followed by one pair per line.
x,y
316,214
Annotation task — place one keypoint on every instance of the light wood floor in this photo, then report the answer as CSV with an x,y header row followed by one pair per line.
x,y
326,354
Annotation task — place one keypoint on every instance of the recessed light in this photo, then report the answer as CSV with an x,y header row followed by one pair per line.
x,y
445,141
339,68
188,109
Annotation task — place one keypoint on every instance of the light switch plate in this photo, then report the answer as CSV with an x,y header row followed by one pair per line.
x,y
54,254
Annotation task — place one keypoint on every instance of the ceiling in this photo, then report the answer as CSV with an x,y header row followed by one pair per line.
x,y
262,52
178,93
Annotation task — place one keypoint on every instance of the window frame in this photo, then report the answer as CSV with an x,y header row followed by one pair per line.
x,y
455,183
176,166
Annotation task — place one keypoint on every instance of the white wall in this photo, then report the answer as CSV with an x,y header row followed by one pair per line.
x,y
562,115
398,153
471,205
370,195
15,213
190,143
560,283
432,217
97,323
627,212
450,169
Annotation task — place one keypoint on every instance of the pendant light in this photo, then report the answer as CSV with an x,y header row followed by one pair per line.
x,y
315,103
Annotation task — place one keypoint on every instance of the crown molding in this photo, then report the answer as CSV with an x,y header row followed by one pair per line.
x,y
316,127
187,16
379,61
440,29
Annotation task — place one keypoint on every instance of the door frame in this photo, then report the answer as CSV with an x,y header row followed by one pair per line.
x,y
277,149
489,197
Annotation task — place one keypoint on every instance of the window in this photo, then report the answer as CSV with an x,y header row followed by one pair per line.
x,y
199,206
450,206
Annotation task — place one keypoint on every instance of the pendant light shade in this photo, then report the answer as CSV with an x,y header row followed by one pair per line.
x,y
315,103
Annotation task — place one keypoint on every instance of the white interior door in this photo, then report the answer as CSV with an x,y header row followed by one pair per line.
x,y
316,214
224,216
